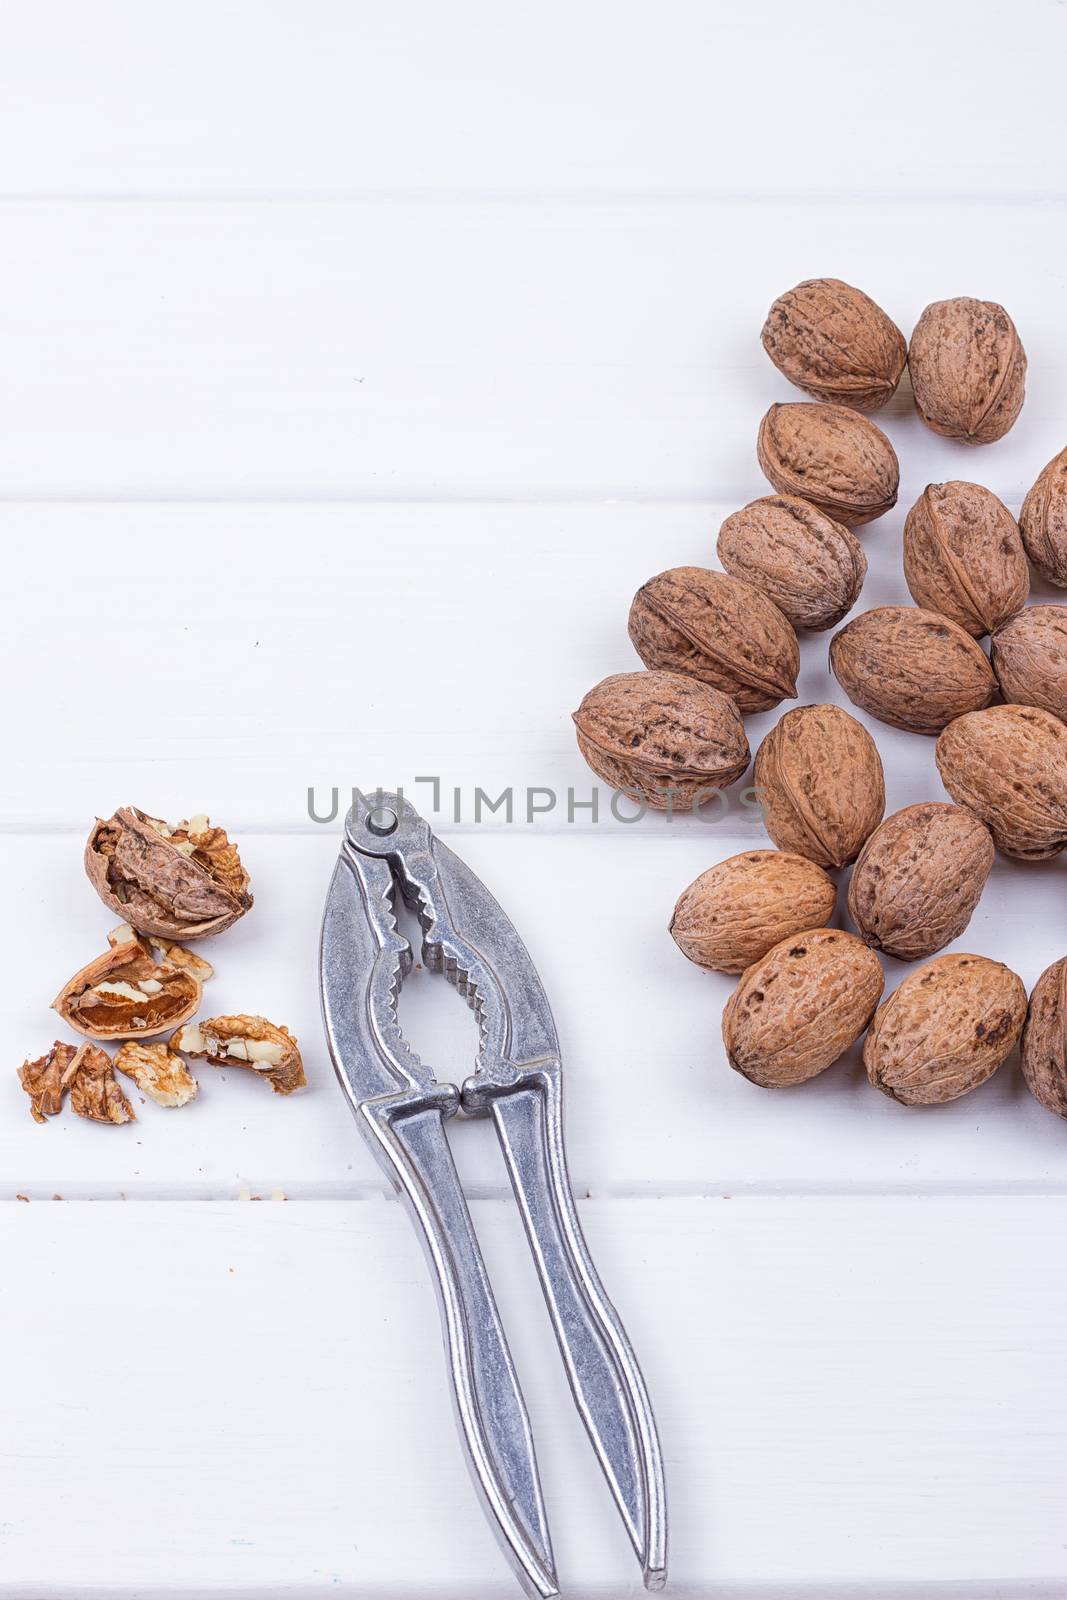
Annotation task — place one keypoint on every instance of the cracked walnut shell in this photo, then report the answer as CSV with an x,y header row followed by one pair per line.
x,y
739,909
913,669
810,566
157,1071
184,882
1029,657
1044,1052
818,777
1043,521
127,993
831,457
245,1041
918,879
968,369
834,342
43,1080
1008,765
963,556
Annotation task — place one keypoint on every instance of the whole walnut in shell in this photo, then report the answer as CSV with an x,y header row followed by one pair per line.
x,y
819,779
968,369
183,882
1044,1052
831,457
736,911
918,879
1029,657
1009,766
662,738
710,626
963,556
810,566
799,1008
834,342
945,1030
1043,521
913,669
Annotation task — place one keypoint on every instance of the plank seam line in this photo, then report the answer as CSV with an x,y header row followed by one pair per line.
x,y
838,198
369,1193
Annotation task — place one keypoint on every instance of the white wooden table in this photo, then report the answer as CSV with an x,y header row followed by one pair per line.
x,y
353,354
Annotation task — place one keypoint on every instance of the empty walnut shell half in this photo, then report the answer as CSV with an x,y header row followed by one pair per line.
x,y
245,1041
799,1008
1044,1052
1043,521
829,456
968,369
739,909
834,342
1029,657
945,1030
662,739
810,566
1008,764
913,669
963,556
127,993
819,780
184,882
918,879
717,629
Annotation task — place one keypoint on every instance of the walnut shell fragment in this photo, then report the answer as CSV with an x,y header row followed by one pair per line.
x,y
1043,521
796,1011
43,1080
968,370
918,879
1009,766
1044,1052
913,669
245,1041
831,457
185,882
94,1090
717,629
158,1072
819,779
660,738
963,556
739,909
809,565
127,993
1029,656
945,1030
834,342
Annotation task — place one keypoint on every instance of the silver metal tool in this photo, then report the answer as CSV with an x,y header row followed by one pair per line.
x,y
401,1109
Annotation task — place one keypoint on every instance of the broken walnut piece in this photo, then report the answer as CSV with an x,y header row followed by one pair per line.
x,y
128,994
244,1041
176,954
94,1089
158,1072
176,882
43,1080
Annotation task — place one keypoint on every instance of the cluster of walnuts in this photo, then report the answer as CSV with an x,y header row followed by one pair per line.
x,y
717,645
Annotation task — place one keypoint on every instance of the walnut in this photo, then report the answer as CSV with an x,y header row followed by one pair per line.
x,y
717,629
964,558
43,1080
1009,766
796,1011
1029,658
968,370
1043,521
918,879
831,457
94,1091
158,1072
738,910
244,1041
1044,1053
819,780
913,669
832,341
127,993
945,1030
810,566
662,738
184,882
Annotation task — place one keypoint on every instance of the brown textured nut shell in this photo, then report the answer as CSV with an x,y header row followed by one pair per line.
x,y
1029,657
818,777
1044,1052
918,879
147,882
963,556
95,1092
739,909
913,669
1043,521
945,1030
834,342
799,1008
810,566
1009,766
968,369
831,457
661,738
111,1016
719,630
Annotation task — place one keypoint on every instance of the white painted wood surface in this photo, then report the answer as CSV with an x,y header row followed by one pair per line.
x,y
359,363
